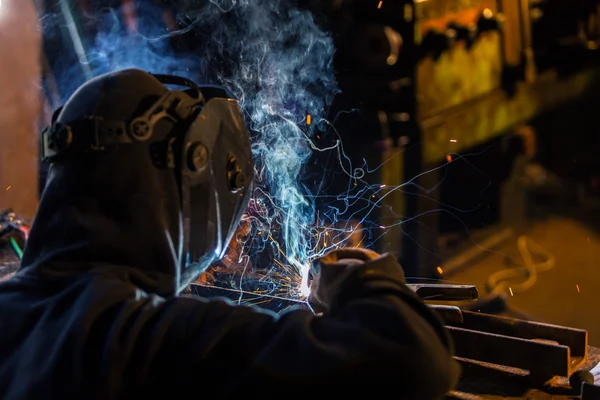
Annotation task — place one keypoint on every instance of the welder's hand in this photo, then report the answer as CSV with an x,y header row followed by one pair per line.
x,y
329,273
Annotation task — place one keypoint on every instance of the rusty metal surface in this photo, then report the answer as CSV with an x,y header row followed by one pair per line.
x,y
449,10
477,121
462,72
459,75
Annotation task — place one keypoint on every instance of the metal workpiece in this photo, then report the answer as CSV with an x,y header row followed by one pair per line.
x,y
443,292
449,314
543,350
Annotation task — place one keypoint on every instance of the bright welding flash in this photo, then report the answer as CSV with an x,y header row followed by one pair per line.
x,y
304,288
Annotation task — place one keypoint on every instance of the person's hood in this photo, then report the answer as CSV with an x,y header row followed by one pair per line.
x,y
113,210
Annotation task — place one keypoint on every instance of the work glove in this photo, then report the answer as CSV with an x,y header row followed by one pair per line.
x,y
333,270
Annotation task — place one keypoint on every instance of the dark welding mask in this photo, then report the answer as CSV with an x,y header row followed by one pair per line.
x,y
208,147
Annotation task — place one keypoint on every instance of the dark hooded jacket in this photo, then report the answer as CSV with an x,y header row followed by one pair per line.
x,y
92,312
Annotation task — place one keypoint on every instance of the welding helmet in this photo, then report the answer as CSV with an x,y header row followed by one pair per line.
x,y
204,142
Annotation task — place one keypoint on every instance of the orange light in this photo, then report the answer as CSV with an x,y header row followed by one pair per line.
x,y
8,188
440,270
308,118
380,4
449,158
577,286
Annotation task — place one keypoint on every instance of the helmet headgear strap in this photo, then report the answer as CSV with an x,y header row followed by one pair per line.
x,y
94,133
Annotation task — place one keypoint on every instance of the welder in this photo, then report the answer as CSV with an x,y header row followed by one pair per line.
x,y
150,175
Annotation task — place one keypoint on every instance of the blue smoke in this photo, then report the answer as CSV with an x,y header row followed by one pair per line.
x,y
278,63
282,71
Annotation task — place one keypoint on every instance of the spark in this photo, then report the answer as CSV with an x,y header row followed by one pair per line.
x,y
577,286
449,158
453,140
440,270
308,118
511,291
8,188
380,4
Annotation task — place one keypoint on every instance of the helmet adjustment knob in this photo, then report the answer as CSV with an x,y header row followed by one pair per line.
x,y
197,156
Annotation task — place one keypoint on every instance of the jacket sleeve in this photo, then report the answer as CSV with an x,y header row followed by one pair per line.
x,y
379,336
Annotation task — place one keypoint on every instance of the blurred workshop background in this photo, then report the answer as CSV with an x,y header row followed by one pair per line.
x,y
486,112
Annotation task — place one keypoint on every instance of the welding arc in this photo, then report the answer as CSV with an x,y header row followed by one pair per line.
x,y
499,282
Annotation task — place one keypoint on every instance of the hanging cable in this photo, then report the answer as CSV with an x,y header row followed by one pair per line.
x,y
17,249
500,281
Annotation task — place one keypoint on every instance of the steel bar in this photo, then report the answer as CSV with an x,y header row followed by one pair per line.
x,y
575,339
540,359
449,314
